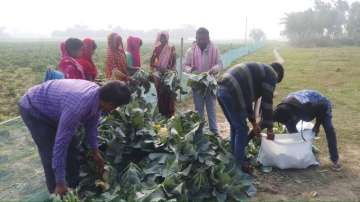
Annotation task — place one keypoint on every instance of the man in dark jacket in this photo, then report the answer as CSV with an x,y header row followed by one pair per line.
x,y
239,88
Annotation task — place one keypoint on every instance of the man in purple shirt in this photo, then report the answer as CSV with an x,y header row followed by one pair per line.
x,y
53,111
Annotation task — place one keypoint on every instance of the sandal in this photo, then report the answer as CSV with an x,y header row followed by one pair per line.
x,y
336,167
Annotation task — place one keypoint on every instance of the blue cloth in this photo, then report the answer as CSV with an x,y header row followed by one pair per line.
x,y
313,97
327,125
307,96
43,134
53,75
209,101
238,124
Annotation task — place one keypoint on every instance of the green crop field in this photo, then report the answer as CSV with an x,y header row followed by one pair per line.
x,y
335,72
23,64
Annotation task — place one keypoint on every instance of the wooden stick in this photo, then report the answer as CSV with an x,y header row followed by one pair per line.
x,y
181,58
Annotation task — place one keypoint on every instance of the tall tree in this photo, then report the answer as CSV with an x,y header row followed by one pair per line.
x,y
324,24
257,35
353,26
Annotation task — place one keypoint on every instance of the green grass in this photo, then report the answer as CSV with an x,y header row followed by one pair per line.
x,y
335,72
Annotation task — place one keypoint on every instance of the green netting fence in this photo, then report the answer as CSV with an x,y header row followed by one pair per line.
x,y
21,173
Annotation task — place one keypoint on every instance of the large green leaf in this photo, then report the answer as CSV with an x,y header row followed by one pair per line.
x,y
151,195
132,176
204,83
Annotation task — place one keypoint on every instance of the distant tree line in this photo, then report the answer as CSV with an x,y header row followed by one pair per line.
x,y
186,31
326,24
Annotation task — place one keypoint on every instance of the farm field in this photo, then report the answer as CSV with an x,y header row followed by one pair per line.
x,y
335,72
23,64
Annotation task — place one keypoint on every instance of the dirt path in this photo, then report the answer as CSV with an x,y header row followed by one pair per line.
x,y
278,57
312,184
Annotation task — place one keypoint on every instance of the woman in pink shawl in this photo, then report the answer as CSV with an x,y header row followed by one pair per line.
x,y
162,60
70,51
133,47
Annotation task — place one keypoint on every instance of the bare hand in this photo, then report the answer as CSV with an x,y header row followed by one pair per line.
x,y
162,70
270,134
256,129
99,162
213,71
134,82
61,189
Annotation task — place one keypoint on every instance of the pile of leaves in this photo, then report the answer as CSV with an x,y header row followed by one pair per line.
x,y
204,83
169,82
143,79
150,158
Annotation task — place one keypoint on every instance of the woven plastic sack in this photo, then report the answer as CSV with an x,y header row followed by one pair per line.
x,y
288,150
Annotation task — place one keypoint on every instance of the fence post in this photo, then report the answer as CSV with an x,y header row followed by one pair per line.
x,y
181,58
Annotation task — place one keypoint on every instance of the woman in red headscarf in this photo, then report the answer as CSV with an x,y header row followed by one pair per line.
x,y
133,47
116,64
86,61
70,51
162,60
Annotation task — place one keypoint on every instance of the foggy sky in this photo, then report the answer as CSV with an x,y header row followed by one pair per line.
x,y
224,18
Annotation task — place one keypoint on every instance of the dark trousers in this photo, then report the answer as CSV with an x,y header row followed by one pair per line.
x,y
43,133
166,103
329,131
238,124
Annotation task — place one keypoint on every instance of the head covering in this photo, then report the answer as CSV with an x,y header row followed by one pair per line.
x,y
165,54
64,52
116,58
133,47
69,66
86,61
164,33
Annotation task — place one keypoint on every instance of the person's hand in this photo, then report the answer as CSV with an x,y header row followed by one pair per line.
x,y
256,128
60,189
270,134
162,70
99,162
213,71
133,81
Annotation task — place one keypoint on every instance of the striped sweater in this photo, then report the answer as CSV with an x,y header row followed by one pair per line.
x,y
248,82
